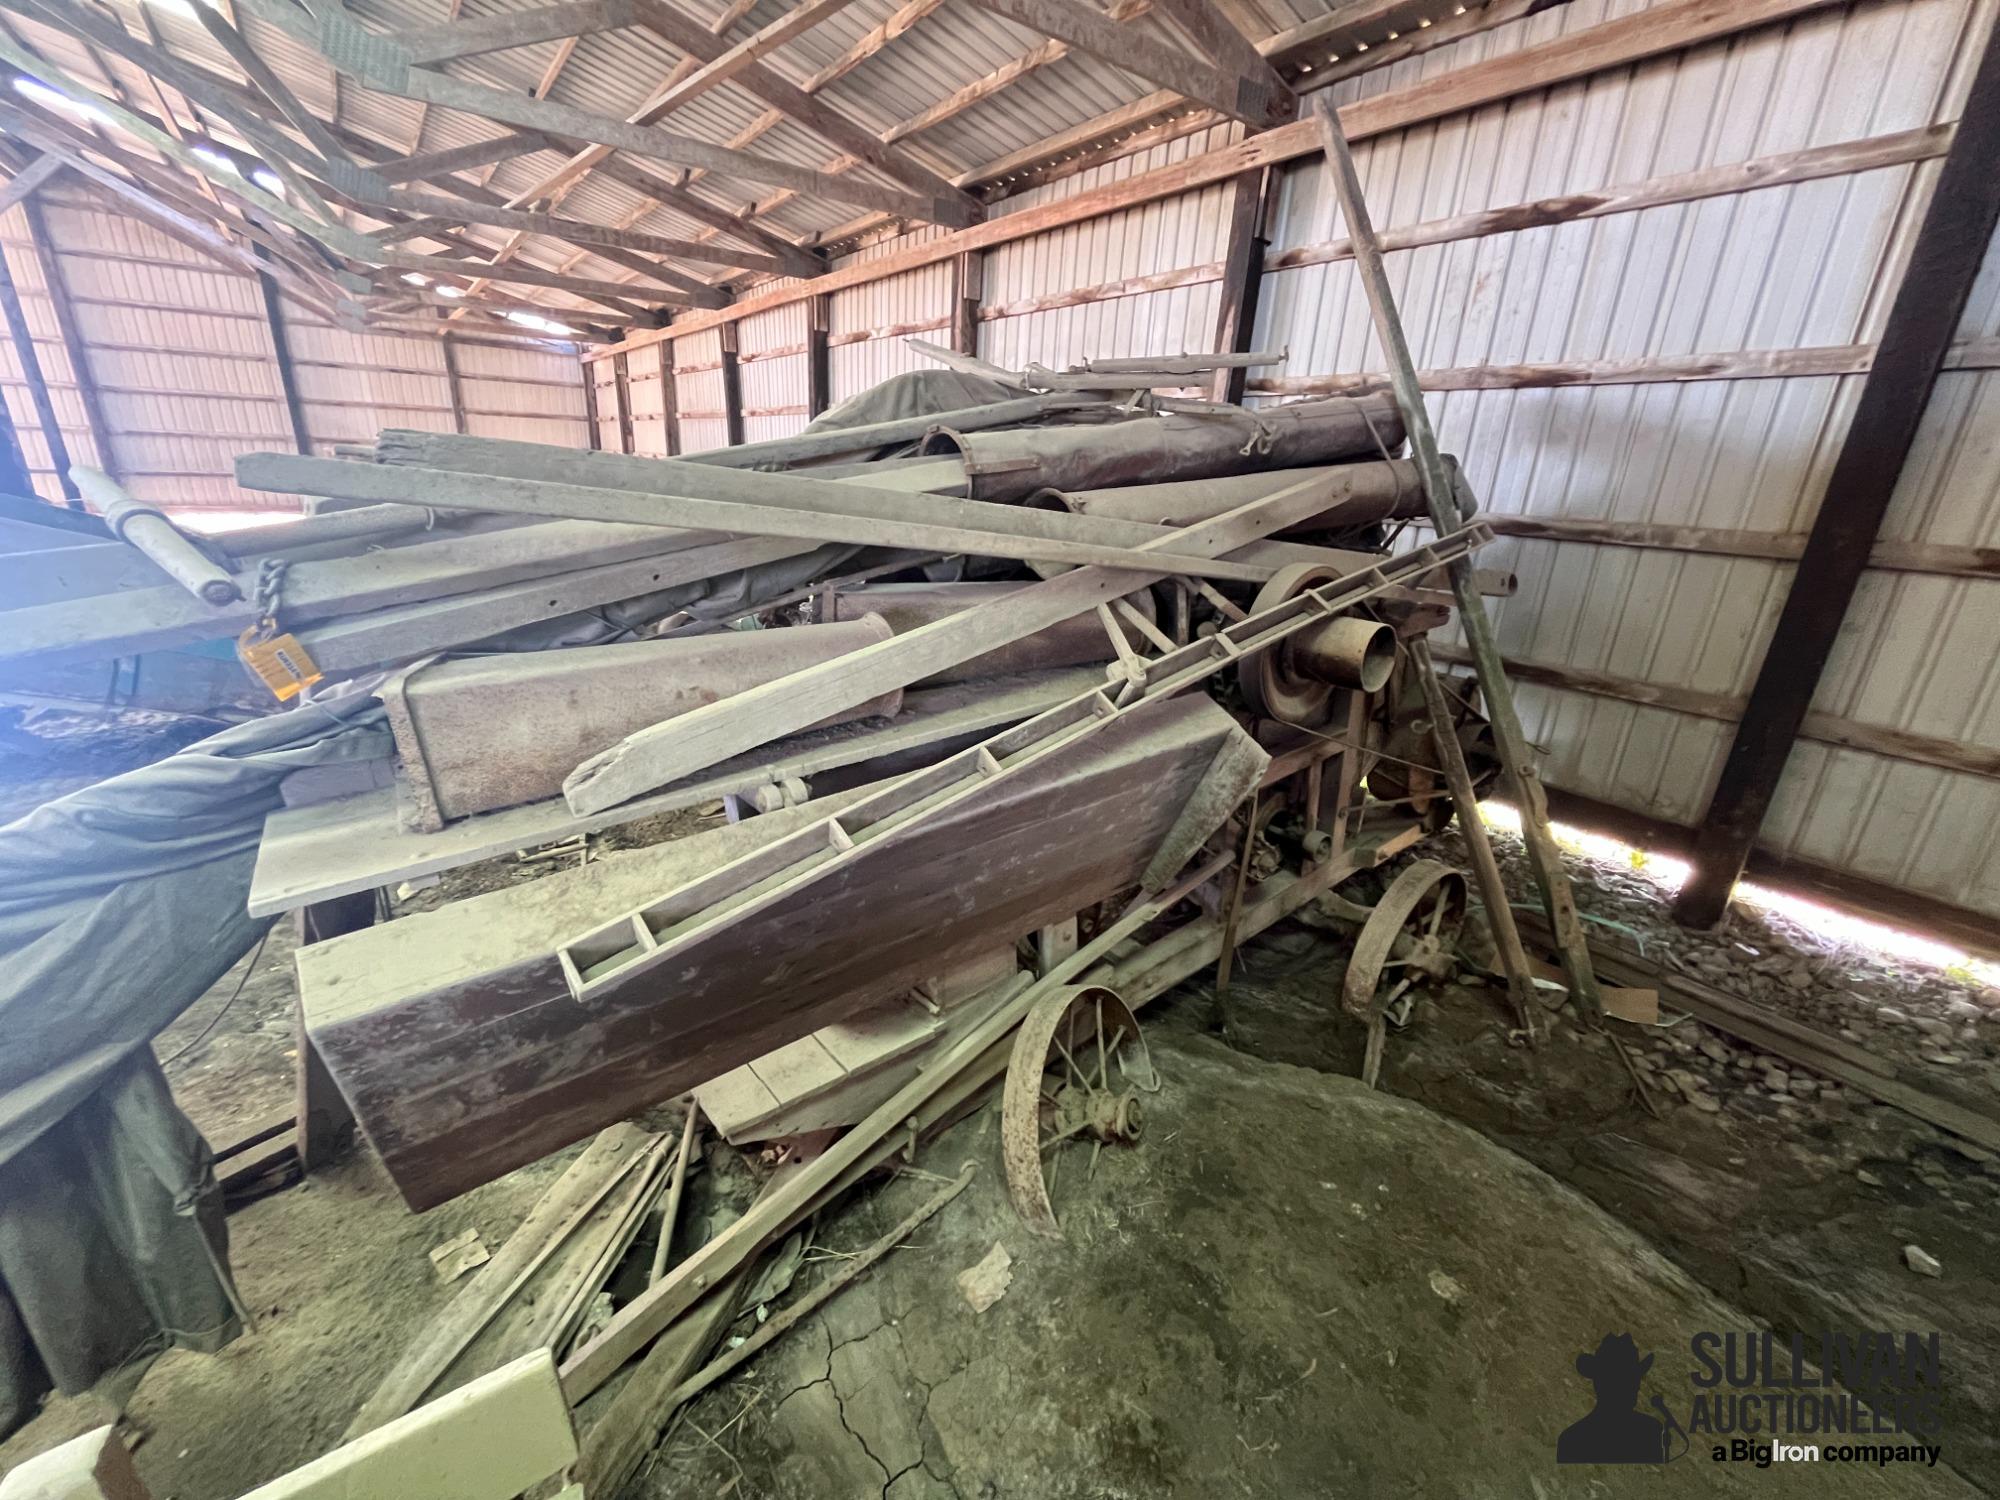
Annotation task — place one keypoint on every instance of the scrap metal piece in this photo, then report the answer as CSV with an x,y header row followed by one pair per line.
x,y
1088,1029
148,530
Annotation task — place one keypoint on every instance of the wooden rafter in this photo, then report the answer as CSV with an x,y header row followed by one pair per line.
x,y
76,349
752,50
457,38
577,231
1215,35
379,62
416,144
599,158
676,27
1258,98
1667,28
436,164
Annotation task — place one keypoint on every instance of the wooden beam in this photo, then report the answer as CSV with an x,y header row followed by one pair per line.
x,y
968,291
38,386
22,185
950,204
454,384
732,389
621,293
274,88
1899,148
377,61
1950,247
1665,28
1728,708
599,158
753,49
461,158
1215,36
281,352
429,45
578,231
819,357
621,379
1250,98
1931,558
670,414
796,261
76,349
593,439
1242,276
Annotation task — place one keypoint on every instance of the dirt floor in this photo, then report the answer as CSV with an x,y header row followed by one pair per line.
x,y
1291,1287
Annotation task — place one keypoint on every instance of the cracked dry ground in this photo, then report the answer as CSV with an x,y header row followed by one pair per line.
x,y
1293,1287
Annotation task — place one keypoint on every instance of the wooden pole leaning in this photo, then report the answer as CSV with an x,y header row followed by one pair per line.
x,y
1439,491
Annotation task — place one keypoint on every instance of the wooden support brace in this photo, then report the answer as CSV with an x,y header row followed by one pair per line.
x,y
819,356
621,379
732,388
670,411
1440,491
326,1124
38,386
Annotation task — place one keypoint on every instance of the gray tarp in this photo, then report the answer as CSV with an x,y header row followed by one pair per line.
x,y
120,905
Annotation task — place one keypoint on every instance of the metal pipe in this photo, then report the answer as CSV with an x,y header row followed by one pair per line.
x,y
1391,490
1013,464
1348,652
150,532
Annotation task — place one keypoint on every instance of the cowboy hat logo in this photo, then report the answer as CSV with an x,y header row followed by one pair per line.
x,y
1615,1431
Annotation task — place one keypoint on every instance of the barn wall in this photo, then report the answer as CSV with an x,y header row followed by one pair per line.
x,y
184,363
1801,266
1807,265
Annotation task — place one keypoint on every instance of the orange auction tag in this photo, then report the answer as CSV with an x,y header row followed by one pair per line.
x,y
278,661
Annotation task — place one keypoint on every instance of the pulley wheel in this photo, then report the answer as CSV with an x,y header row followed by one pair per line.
x,y
1297,680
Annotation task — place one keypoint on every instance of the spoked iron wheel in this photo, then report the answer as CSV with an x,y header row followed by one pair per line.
x,y
1078,1068
1410,938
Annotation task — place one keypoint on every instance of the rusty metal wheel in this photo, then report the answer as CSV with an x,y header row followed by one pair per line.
x,y
1078,1068
1411,936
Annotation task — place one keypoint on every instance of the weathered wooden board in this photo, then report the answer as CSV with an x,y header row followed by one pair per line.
x,y
313,853
458,1082
875,1054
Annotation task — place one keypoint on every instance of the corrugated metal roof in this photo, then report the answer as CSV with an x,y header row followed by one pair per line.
x,y
614,74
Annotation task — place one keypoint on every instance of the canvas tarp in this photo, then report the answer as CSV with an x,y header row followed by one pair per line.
x,y
120,905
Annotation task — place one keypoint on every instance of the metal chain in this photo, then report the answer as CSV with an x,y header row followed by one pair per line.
x,y
270,583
